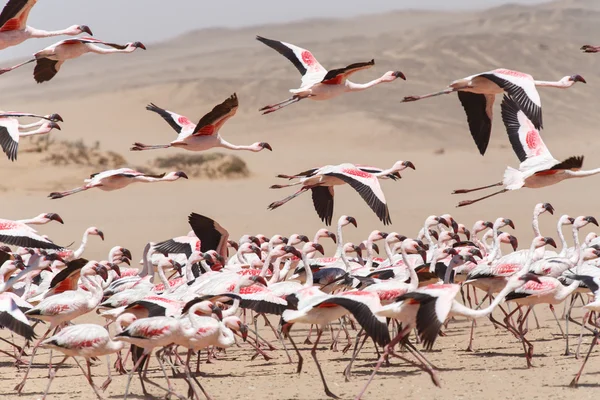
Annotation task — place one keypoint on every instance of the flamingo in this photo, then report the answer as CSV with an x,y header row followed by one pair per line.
x,y
18,233
322,180
10,133
590,49
317,82
205,134
538,168
14,29
49,60
83,340
66,306
69,255
477,94
117,179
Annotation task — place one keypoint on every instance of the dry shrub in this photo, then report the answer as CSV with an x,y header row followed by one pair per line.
x,y
76,153
212,165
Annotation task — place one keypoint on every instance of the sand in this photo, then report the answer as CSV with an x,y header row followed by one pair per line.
x,y
102,99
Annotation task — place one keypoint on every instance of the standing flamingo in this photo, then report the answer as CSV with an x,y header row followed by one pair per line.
x,y
477,94
317,82
83,340
538,168
205,134
117,179
322,180
10,133
50,59
14,29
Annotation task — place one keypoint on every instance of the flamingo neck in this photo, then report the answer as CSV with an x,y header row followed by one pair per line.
x,y
339,249
357,87
582,174
555,84
309,274
224,143
45,128
99,50
77,253
163,279
563,241
39,33
146,268
536,224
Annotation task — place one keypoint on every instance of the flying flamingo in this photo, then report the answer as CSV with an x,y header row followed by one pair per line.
x,y
49,60
14,29
590,49
322,180
10,129
538,168
477,94
18,233
83,340
205,134
317,82
115,179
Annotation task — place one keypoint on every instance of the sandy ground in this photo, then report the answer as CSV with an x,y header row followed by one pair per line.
x,y
102,99
496,369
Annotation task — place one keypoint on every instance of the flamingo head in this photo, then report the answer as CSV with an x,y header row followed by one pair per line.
x,y
101,271
52,125
173,176
582,221
124,252
575,78
541,241
243,328
505,237
136,45
51,217
54,117
377,235
590,253
346,220
324,233
544,207
391,76
233,244
95,231
450,222
79,29
260,146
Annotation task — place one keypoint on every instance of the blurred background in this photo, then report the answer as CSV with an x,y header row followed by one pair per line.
x,y
200,54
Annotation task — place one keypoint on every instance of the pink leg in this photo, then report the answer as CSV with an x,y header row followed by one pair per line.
x,y
469,202
278,106
59,195
575,380
425,96
279,203
137,146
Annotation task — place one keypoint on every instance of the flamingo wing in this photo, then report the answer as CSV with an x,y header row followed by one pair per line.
x,y
478,108
521,87
14,15
339,75
70,273
369,189
172,246
9,137
375,327
323,201
311,70
26,238
45,69
212,122
212,235
176,121
522,133
13,318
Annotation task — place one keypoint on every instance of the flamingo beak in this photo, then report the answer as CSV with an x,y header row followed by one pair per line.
x,y
591,220
509,223
304,238
423,254
293,250
375,248
488,224
548,207
332,236
352,220
256,250
55,118
217,311
399,74
254,240
54,125
454,225
358,250
101,271
514,243
443,222
54,217
578,78
265,145
125,260
117,270
86,29
101,234
468,234
244,331
409,164
181,174
233,244
550,241
126,253
476,253
319,248
139,45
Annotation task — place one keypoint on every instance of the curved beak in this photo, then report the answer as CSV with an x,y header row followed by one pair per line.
x,y
86,29
332,236
548,207
55,217
358,250
266,145
399,74
319,248
591,220
254,240
352,220
514,243
55,117
101,271
488,224
217,311
409,164
139,45
467,234
293,250
101,234
244,331
126,253
181,174
550,241
178,267
376,248
443,222
116,268
454,225
233,244
509,223
469,258
304,238
256,250
125,260
54,125
578,78
423,254
476,253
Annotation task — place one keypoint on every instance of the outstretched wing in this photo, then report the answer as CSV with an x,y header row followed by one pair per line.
x,y
521,87
45,69
478,108
212,235
214,120
176,121
9,137
311,70
369,189
523,135
14,15
323,201
339,75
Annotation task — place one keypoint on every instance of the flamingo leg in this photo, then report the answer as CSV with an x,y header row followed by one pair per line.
x,y
108,380
300,359
584,320
279,203
4,70
469,202
21,384
137,146
52,375
461,191
425,96
313,353
59,195
575,380
278,106
88,377
357,349
132,371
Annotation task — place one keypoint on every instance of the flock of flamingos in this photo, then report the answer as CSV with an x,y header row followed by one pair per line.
x,y
207,301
